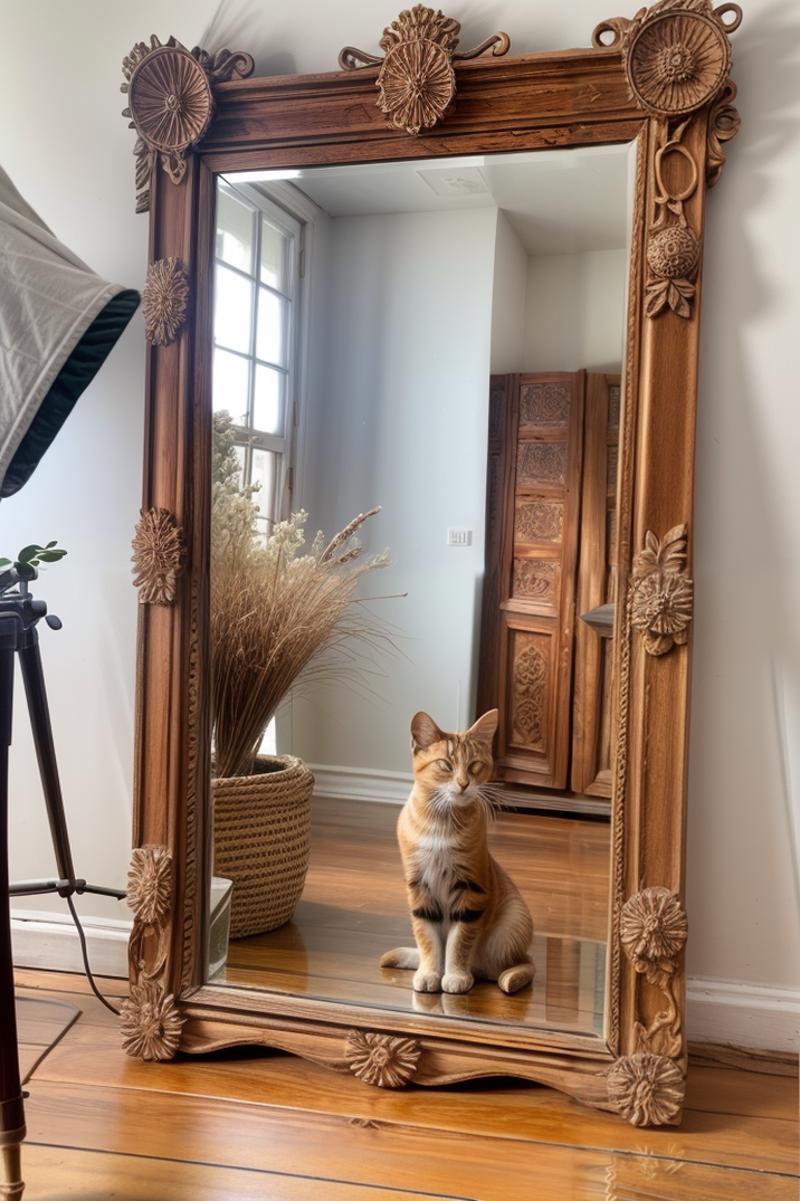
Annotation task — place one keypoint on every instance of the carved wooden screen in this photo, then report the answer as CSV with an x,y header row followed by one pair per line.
x,y
531,553
591,710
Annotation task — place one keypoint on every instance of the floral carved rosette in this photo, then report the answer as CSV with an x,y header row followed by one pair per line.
x,y
151,1022
416,82
157,557
170,94
647,1090
653,932
165,299
150,884
382,1059
677,54
661,593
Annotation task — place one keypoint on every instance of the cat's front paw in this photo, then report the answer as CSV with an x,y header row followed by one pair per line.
x,y
427,981
457,981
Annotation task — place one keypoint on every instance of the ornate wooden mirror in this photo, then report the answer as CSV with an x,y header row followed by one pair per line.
x,y
342,268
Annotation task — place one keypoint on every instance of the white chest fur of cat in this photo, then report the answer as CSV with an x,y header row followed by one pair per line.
x,y
468,917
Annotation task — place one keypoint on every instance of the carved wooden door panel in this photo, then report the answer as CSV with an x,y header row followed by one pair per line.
x,y
536,434
591,716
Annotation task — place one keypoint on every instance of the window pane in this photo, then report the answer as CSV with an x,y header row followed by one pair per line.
x,y
235,225
268,400
232,310
271,332
274,256
264,473
230,385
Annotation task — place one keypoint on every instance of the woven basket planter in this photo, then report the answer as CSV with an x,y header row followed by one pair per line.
x,y
262,839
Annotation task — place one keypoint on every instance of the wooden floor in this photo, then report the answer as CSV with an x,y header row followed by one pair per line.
x,y
267,1126
354,908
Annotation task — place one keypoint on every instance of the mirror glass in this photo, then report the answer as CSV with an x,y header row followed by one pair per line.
x,y
422,362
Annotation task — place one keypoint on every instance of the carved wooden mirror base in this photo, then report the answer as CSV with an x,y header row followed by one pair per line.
x,y
661,80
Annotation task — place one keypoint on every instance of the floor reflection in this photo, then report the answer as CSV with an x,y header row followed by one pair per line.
x,y
354,908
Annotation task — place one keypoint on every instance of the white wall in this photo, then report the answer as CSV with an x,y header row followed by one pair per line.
x,y
400,419
575,311
508,299
69,151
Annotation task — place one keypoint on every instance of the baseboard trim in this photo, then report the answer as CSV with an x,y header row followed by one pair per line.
x,y
393,787
50,941
361,784
743,1015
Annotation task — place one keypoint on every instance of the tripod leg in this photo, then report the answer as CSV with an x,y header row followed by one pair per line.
x,y
30,662
12,1117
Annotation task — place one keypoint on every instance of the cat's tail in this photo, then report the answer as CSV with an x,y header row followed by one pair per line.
x,y
406,957
512,979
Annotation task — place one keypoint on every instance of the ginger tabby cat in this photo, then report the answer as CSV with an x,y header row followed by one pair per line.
x,y
468,917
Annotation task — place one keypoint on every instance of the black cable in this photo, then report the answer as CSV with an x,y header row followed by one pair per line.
x,y
75,1014
85,954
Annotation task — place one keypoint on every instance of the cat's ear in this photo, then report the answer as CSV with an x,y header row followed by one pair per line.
x,y
424,732
485,727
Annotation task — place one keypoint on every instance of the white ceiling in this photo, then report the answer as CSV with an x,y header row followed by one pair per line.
x,y
559,201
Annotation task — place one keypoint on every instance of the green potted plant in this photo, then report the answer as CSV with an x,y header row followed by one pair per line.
x,y
275,609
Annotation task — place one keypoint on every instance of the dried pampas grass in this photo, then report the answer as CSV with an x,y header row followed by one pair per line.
x,y
274,610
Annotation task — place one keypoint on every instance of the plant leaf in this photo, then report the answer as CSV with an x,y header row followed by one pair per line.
x,y
29,553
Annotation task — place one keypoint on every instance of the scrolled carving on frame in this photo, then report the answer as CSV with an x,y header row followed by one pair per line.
x,y
170,92
151,1021
673,247
416,82
677,57
653,931
724,123
165,300
662,592
385,1060
157,557
646,1089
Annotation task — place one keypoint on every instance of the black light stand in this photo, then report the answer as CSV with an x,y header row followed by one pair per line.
x,y
20,613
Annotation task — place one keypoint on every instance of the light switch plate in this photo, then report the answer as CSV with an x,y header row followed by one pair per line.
x,y
459,537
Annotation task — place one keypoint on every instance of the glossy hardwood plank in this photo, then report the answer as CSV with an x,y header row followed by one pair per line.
x,y
371,1153
747,1130
90,1054
58,1174
269,1113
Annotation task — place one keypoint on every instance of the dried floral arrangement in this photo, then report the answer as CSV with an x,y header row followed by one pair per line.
x,y
275,608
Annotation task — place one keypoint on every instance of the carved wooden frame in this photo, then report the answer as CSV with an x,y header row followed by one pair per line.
x,y
663,78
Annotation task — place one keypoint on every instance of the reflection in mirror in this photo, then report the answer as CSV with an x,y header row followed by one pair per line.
x,y
427,357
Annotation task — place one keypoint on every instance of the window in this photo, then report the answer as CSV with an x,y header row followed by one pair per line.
x,y
256,300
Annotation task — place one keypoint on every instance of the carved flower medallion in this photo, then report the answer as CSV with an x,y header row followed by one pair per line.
x,y
678,56
664,610
662,592
170,98
151,1023
382,1059
653,930
157,556
646,1089
170,94
416,82
165,299
150,884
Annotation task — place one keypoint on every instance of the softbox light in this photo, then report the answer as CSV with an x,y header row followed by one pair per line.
x,y
58,322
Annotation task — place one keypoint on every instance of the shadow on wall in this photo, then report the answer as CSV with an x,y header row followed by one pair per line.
x,y
746,671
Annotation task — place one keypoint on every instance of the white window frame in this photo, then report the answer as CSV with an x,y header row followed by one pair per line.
x,y
284,443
